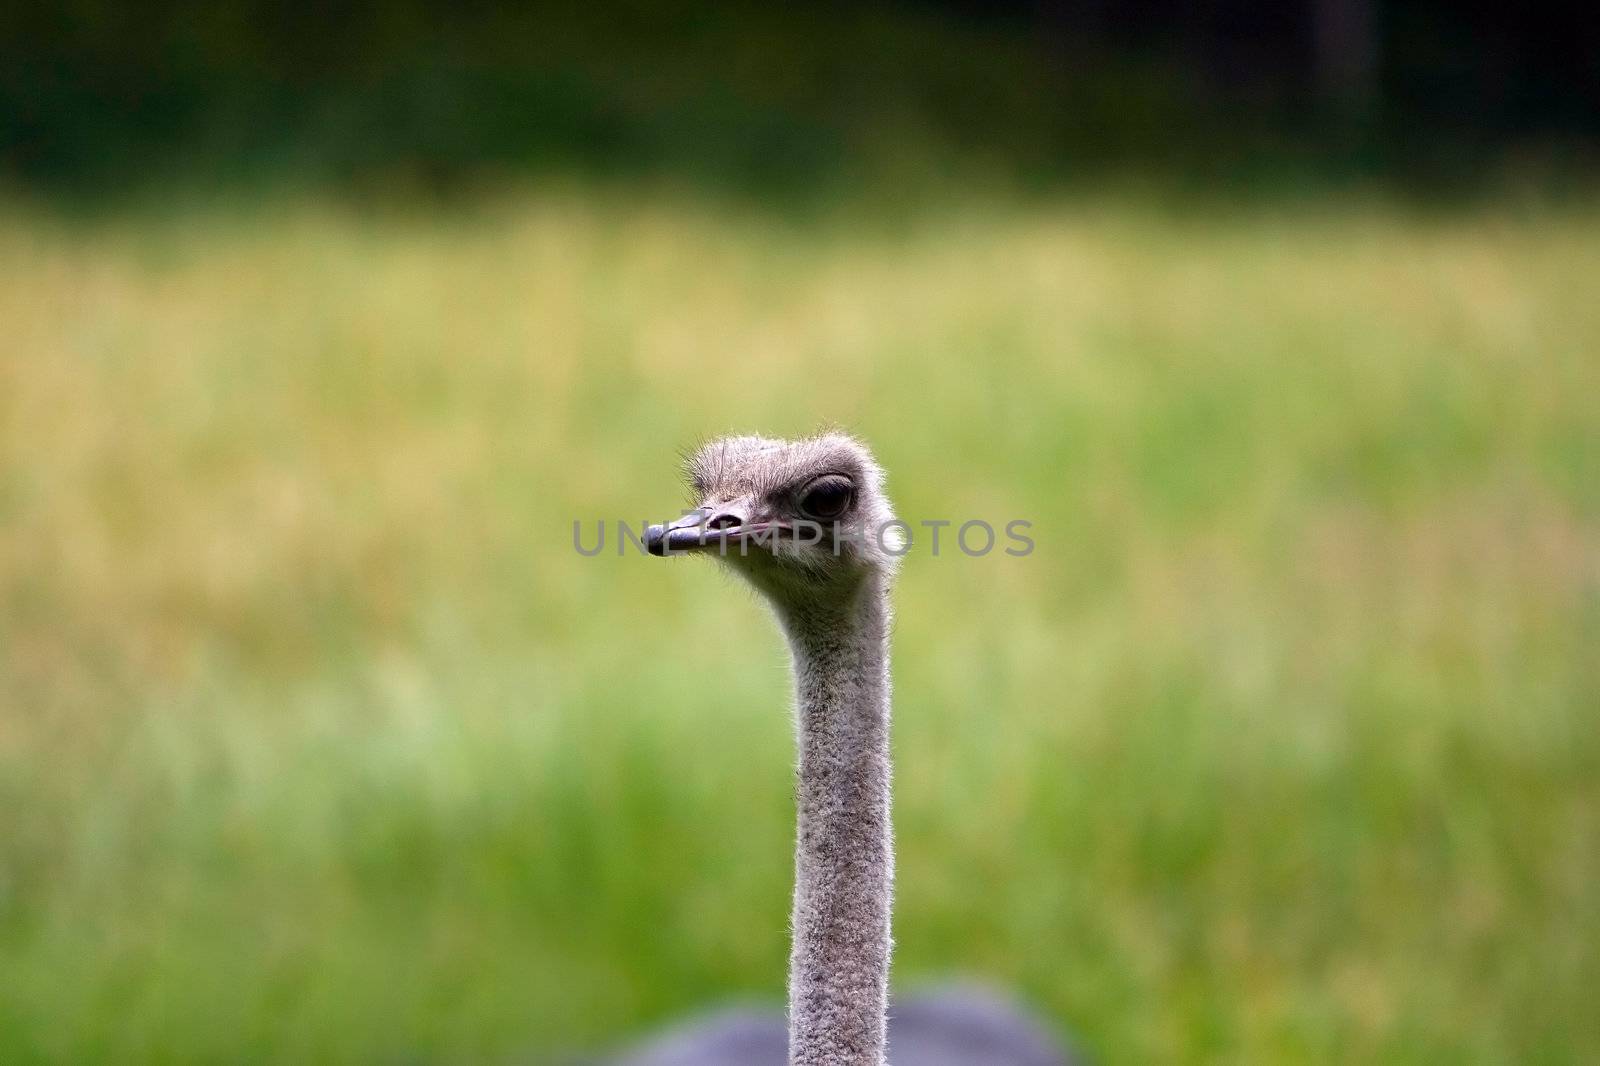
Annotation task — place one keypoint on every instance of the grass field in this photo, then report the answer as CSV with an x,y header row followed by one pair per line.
x,y
319,742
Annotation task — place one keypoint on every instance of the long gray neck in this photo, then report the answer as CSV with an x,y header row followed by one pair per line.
x,y
844,852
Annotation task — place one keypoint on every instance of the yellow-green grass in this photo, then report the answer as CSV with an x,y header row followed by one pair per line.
x,y
319,742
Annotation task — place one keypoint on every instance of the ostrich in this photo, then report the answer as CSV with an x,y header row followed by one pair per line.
x,y
807,524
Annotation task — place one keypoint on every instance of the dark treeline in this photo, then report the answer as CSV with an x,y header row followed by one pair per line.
x,y
100,94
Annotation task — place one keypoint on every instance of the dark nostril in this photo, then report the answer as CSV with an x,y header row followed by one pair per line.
x,y
725,520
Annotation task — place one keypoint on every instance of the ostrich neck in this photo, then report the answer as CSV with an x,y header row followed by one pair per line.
x,y
839,961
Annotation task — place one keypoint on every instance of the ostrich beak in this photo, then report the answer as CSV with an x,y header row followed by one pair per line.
x,y
680,535
704,529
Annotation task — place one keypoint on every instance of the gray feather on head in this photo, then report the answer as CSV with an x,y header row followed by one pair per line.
x,y
803,520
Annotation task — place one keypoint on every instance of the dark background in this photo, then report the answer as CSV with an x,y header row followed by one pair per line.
x,y
101,96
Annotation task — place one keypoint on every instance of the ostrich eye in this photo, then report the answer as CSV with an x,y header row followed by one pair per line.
x,y
827,497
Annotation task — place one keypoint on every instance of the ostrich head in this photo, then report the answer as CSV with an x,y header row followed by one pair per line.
x,y
803,521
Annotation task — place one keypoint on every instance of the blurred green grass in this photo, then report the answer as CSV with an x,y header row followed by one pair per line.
x,y
318,741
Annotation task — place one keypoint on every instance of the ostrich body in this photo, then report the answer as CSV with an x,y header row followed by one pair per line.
x,y
807,524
